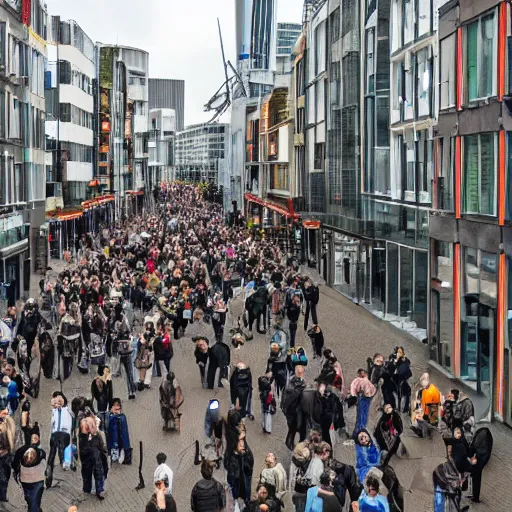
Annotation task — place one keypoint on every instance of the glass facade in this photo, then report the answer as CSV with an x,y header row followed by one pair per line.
x,y
262,20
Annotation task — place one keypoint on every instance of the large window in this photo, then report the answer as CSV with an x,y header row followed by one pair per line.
x,y
3,44
447,78
424,8
396,26
480,174
481,57
370,61
423,82
408,20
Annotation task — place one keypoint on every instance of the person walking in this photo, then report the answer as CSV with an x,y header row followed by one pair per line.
x,y
163,471
311,296
29,467
161,501
7,433
293,314
208,494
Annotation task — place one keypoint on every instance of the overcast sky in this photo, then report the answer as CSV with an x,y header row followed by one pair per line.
x,y
180,35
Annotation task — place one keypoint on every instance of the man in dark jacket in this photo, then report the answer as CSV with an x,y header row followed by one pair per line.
x,y
311,295
207,495
219,357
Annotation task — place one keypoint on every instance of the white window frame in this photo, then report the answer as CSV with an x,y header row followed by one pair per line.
x,y
448,86
396,26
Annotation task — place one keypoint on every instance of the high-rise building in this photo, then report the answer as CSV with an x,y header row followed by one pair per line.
x,y
168,93
287,35
22,145
123,123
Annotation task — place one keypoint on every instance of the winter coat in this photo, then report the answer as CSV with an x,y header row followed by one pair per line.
x,y
240,385
93,454
220,355
239,467
208,496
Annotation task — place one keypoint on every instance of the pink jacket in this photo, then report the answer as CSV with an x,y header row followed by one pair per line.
x,y
362,385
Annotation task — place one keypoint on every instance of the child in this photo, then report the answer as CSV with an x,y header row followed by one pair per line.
x,y
268,402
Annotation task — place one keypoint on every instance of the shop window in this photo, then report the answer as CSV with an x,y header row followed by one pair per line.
x,y
448,79
481,57
480,174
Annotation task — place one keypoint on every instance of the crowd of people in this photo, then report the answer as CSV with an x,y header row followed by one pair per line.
x,y
118,311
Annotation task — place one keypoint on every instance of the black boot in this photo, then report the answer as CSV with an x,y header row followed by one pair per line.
x,y
128,457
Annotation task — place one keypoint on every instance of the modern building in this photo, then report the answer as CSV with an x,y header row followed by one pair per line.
x,y
287,35
202,153
22,155
470,224
168,93
162,142
70,136
256,44
123,124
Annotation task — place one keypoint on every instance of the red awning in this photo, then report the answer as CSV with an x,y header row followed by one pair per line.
x,y
93,183
135,192
288,212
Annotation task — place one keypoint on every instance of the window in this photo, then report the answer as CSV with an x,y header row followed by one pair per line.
x,y
319,156
2,115
65,112
424,16
480,174
320,49
425,148
447,85
14,118
3,45
398,71
423,82
481,53
370,61
396,26
408,21
64,72
408,99
446,175
410,158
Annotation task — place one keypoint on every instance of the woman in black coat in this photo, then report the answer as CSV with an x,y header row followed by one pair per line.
x,y
239,465
93,456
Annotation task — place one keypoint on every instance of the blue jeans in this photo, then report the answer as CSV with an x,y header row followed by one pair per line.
x,y
33,495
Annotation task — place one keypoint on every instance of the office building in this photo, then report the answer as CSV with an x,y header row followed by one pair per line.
x,y
70,135
287,35
202,153
162,142
22,156
168,93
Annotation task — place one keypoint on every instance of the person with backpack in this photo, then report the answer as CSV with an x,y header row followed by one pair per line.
x,y
219,356
278,353
345,480
208,494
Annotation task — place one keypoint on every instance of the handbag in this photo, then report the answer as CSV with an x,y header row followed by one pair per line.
x,y
187,314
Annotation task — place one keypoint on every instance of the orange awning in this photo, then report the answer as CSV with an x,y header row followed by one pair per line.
x,y
271,205
311,224
135,192
64,215
93,183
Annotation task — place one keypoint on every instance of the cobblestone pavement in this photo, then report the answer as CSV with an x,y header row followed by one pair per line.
x,y
354,335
